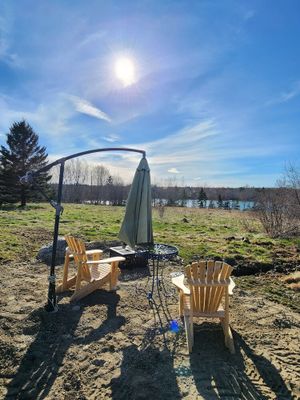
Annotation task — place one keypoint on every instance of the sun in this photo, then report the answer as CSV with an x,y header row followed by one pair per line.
x,y
125,71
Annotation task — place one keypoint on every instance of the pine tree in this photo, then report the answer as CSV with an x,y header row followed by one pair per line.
x,y
220,201
202,198
22,154
226,205
211,204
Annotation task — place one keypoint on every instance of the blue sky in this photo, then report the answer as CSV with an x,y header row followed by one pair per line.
x,y
216,97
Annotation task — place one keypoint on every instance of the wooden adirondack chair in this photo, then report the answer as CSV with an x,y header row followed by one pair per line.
x,y
209,283
90,268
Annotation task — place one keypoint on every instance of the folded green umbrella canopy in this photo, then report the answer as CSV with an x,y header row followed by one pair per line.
x,y
136,227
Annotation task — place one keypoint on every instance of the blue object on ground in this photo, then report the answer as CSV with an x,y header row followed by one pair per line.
x,y
174,326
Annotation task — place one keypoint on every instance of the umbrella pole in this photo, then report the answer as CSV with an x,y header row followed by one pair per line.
x,y
51,305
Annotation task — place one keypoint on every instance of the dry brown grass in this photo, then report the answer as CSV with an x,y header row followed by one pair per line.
x,y
293,280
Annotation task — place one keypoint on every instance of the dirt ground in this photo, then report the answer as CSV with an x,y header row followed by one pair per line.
x,y
114,346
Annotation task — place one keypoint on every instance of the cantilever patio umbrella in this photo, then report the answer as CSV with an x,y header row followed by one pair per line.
x,y
29,178
136,227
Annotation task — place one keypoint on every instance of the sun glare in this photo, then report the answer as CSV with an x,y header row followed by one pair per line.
x,y
125,71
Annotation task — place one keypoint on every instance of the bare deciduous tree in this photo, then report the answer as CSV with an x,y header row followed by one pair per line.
x,y
279,209
99,176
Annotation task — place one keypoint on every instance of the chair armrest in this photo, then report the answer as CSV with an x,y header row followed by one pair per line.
x,y
106,260
94,251
178,282
231,286
88,252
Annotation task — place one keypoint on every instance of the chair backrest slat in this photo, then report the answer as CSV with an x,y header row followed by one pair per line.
x,y
215,290
195,289
208,289
77,247
224,275
202,273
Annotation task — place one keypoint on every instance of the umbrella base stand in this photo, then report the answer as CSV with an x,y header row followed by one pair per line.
x,y
133,259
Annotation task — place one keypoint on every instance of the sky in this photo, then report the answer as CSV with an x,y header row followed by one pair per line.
x,y
213,94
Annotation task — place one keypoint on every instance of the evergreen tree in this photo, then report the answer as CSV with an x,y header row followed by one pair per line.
x,y
211,204
110,180
236,205
109,189
22,154
202,198
220,201
226,205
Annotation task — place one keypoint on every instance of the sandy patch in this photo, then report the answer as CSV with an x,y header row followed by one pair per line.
x,y
115,346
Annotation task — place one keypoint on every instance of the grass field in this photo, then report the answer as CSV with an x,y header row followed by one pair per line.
x,y
234,236
113,345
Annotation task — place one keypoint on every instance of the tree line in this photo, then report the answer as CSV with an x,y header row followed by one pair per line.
x,y
278,208
85,182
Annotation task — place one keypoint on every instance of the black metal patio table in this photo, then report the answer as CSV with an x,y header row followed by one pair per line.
x,y
159,253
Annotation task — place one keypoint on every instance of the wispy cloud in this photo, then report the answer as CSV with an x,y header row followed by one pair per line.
x,y
111,138
173,171
91,38
85,107
181,146
202,142
284,97
202,152
6,55
51,119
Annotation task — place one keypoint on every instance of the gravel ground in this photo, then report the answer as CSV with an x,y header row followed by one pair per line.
x,y
114,346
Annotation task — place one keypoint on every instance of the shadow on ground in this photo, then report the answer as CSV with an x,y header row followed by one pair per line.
x,y
54,335
147,372
244,375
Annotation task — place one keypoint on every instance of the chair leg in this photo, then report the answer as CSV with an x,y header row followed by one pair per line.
x,y
67,285
78,277
226,328
188,324
66,271
88,288
114,275
192,331
181,296
230,342
84,291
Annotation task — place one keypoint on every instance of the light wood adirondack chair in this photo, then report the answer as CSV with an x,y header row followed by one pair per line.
x,y
209,283
90,268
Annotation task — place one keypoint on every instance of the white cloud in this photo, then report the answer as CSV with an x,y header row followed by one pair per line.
x,y
201,143
85,107
51,118
200,152
6,55
96,36
181,146
111,138
286,96
173,171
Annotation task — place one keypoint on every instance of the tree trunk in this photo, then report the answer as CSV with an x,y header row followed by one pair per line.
x,y
23,197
